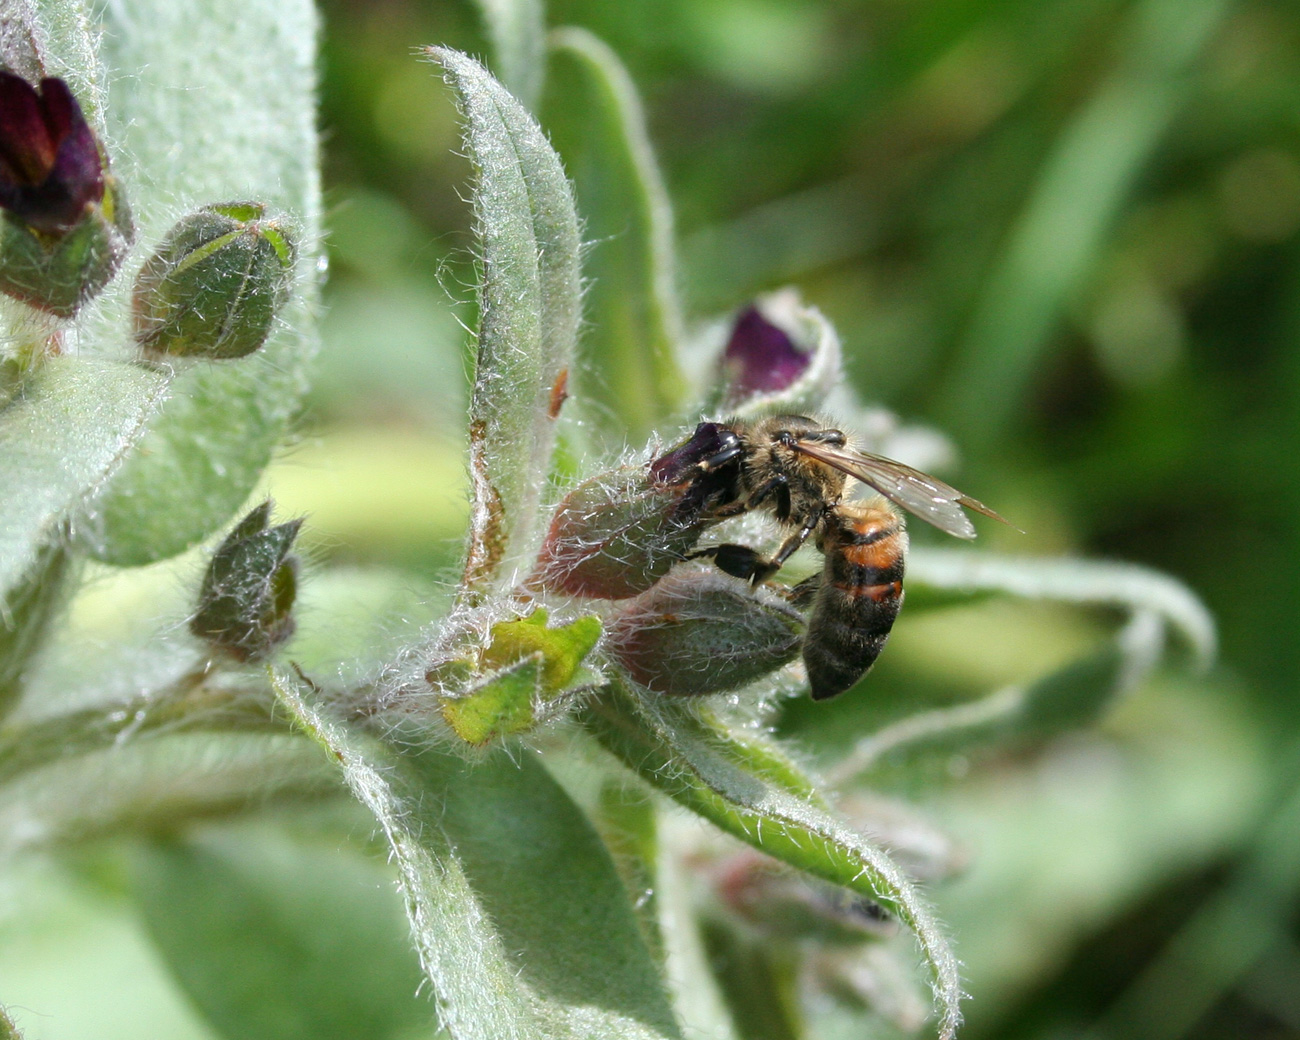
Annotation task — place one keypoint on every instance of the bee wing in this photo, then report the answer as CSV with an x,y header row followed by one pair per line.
x,y
926,496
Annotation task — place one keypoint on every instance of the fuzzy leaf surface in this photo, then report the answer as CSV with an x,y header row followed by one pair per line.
x,y
529,305
282,940
750,790
1125,585
599,127
59,439
200,117
1070,697
515,907
25,614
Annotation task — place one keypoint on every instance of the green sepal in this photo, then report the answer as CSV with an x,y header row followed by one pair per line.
x,y
59,273
246,603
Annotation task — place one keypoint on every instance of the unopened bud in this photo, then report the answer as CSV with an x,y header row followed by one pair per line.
x,y
699,631
617,534
215,285
760,356
65,227
246,603
781,356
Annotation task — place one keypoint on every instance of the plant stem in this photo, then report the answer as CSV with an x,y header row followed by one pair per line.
x,y
192,703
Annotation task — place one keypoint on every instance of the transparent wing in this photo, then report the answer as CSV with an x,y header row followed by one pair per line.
x,y
919,493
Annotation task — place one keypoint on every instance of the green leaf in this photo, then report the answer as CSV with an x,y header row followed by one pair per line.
x,y
518,915
526,663
517,31
25,613
1124,585
635,323
627,822
59,439
208,102
1068,698
529,306
282,940
1055,242
748,789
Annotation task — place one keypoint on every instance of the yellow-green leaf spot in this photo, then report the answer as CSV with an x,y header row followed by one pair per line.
x,y
525,661
562,649
501,707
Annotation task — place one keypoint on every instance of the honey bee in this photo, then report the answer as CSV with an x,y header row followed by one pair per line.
x,y
796,469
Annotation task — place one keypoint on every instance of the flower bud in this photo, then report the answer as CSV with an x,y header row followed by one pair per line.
x,y
699,631
246,603
617,534
50,166
781,357
214,286
760,356
66,227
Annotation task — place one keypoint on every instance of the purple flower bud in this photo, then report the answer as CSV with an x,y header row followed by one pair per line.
x,y
760,357
50,164
616,535
678,464
699,631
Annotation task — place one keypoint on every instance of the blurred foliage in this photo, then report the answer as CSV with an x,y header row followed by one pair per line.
x,y
1065,231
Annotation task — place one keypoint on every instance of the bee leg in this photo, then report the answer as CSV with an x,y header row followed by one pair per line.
x,y
803,594
774,486
740,561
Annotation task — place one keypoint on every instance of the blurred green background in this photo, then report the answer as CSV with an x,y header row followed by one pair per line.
x,y
1062,231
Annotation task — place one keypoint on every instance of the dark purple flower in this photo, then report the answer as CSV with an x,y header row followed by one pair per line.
x,y
50,166
760,357
680,461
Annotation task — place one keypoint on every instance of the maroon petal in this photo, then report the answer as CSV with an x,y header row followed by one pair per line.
x,y
27,150
760,357
679,462
50,166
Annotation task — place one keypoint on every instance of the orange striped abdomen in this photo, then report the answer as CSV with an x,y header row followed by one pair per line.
x,y
859,597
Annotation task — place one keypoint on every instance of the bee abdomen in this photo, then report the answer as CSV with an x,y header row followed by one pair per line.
x,y
859,598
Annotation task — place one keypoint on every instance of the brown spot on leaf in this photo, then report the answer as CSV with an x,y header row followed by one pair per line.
x,y
487,535
559,394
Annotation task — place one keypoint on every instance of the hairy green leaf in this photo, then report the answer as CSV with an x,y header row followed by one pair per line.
x,y
1124,585
520,920
526,663
201,117
517,31
60,439
529,305
599,127
1068,698
747,788
282,940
